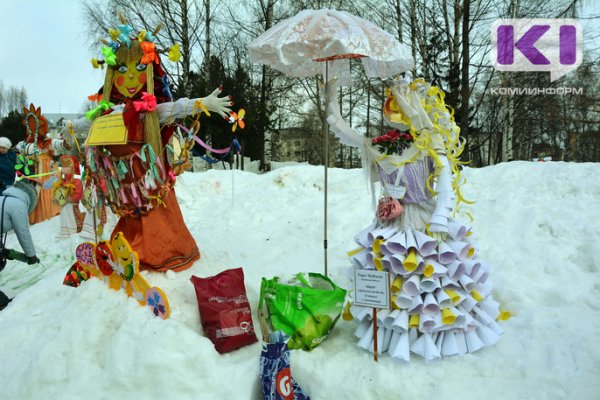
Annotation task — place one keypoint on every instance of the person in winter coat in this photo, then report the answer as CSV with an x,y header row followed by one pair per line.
x,y
16,203
8,159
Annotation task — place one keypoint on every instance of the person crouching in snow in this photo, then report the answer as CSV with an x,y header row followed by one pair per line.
x,y
67,193
16,203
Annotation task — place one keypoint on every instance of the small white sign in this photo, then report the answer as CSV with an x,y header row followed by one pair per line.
x,y
371,288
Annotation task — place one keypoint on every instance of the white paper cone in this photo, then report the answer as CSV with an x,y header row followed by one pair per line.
x,y
400,324
468,303
468,266
382,314
390,318
367,338
474,343
425,347
443,300
481,277
362,237
384,233
461,249
384,249
460,316
417,305
491,306
426,323
380,341
448,283
413,335
467,283
496,327
439,326
403,300
411,242
456,230
412,286
456,269
439,340
360,259
387,338
461,342
386,263
430,304
428,285
469,322
399,346
397,243
360,313
472,267
396,264
449,345
433,268
487,335
482,315
362,328
426,244
445,254
370,260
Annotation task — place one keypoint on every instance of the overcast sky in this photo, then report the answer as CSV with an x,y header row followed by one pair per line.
x,y
43,48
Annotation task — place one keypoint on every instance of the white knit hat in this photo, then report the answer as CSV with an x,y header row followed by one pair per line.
x,y
5,142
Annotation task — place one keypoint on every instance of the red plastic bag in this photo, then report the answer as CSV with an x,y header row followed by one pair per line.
x,y
224,310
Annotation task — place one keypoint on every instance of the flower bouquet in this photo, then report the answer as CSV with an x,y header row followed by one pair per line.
x,y
393,142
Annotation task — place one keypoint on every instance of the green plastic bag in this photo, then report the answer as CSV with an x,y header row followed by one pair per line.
x,y
305,309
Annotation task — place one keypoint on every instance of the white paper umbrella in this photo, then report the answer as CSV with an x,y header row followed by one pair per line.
x,y
297,46
302,45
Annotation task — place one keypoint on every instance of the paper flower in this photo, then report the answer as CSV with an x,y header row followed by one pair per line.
x,y
174,53
237,119
124,35
393,142
114,34
109,55
150,54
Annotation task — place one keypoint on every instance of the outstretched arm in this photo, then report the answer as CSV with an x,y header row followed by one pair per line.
x,y
347,135
181,108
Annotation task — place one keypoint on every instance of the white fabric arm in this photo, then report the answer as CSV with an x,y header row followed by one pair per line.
x,y
347,135
168,112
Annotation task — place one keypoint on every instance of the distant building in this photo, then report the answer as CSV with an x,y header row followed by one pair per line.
x,y
290,144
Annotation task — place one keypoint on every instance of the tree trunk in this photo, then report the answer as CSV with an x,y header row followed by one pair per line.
x,y
207,37
465,89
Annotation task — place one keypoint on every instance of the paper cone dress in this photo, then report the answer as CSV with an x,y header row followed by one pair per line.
x,y
442,303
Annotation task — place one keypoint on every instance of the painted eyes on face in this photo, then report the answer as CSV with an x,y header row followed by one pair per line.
x,y
140,67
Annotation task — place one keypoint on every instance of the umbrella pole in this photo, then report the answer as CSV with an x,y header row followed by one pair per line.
x,y
326,157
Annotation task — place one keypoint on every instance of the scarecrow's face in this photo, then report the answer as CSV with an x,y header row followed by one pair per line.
x,y
129,78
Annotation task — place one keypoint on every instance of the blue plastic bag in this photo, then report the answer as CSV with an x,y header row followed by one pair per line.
x,y
276,380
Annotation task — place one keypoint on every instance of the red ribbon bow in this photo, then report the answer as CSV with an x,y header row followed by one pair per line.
x,y
147,103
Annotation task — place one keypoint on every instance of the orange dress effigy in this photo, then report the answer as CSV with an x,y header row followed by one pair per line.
x,y
159,236
46,208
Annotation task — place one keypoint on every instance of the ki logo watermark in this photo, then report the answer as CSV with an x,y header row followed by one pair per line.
x,y
554,45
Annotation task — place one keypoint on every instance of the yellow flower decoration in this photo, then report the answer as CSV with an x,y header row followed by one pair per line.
x,y
114,34
174,53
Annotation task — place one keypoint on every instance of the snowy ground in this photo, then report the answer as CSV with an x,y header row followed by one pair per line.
x,y
538,224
